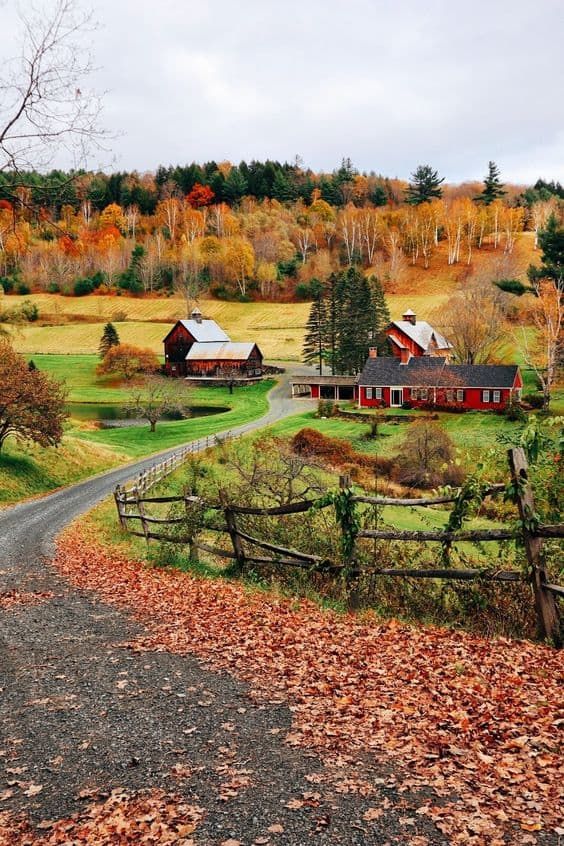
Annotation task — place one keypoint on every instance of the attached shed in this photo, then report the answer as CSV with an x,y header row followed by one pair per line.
x,y
225,360
324,387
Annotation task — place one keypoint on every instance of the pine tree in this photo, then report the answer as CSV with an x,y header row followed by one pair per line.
x,y
355,321
382,319
493,186
425,185
315,342
110,338
551,242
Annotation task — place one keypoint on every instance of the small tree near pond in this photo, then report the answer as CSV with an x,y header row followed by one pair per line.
x,y
32,405
157,397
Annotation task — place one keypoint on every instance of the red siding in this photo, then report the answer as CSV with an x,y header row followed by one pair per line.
x,y
413,348
315,391
472,399
177,345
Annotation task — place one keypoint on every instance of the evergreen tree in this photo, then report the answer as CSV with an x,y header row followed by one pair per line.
x,y
425,185
130,279
235,186
382,316
110,338
282,188
351,321
551,242
315,341
493,186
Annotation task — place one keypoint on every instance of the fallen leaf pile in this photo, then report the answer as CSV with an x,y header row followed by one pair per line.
x,y
142,819
475,720
12,598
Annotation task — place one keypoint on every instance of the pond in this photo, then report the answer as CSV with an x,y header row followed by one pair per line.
x,y
112,415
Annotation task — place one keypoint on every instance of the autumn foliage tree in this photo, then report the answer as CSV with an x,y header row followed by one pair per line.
x,y
127,361
32,405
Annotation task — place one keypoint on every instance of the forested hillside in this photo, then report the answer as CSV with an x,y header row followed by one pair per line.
x,y
259,230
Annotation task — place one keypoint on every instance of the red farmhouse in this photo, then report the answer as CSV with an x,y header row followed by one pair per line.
x,y
431,381
419,373
199,348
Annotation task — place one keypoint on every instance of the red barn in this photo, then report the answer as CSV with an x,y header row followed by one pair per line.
x,y
410,336
424,381
200,348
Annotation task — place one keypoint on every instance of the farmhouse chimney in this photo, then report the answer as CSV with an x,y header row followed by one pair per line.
x,y
372,352
410,316
405,355
196,315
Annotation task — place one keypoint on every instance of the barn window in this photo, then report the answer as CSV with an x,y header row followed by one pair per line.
x,y
377,393
424,394
414,393
518,394
497,396
460,395
450,396
485,396
368,393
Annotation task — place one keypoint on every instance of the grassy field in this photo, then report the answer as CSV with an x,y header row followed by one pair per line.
x,y
277,327
27,471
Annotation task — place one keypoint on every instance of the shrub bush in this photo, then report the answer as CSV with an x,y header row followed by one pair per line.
x,y
83,287
533,400
23,289
53,288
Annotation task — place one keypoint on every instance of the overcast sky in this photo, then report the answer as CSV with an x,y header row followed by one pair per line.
x,y
390,84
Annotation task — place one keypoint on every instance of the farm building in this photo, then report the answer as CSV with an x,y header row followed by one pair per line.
x,y
410,336
198,348
432,381
419,373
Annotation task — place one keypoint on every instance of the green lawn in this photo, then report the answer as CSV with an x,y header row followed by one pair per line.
x,y
27,471
246,403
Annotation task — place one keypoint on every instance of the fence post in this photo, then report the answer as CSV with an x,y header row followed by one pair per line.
x,y
141,510
353,586
548,618
235,539
117,495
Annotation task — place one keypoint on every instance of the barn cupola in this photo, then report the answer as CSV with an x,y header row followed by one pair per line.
x,y
196,315
409,316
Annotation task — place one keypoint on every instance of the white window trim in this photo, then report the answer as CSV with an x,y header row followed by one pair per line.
x,y
368,393
460,395
424,394
396,388
485,396
378,393
496,396
414,393
450,395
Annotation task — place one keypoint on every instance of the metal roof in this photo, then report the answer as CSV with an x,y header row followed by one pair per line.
x,y
422,333
325,380
205,331
227,351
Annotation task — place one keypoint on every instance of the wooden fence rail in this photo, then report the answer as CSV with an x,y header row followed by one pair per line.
x,y
131,502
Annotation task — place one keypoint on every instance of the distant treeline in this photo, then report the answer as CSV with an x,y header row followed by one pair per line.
x,y
229,184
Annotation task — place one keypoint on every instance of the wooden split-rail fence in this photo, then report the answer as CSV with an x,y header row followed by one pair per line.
x,y
131,502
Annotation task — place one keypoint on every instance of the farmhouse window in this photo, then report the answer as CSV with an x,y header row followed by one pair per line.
x,y
414,393
496,396
377,393
424,394
368,393
485,396
450,396
460,396
518,394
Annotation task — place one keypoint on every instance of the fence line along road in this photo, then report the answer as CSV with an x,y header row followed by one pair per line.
x,y
130,504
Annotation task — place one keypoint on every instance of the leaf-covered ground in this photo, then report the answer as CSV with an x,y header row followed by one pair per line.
x,y
474,724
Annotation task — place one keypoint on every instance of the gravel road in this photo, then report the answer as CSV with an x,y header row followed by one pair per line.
x,y
80,714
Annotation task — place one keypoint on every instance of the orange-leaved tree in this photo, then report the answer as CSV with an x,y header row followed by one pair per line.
x,y
32,405
127,361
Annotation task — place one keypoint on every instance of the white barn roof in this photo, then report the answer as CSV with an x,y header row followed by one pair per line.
x,y
228,351
422,333
205,331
